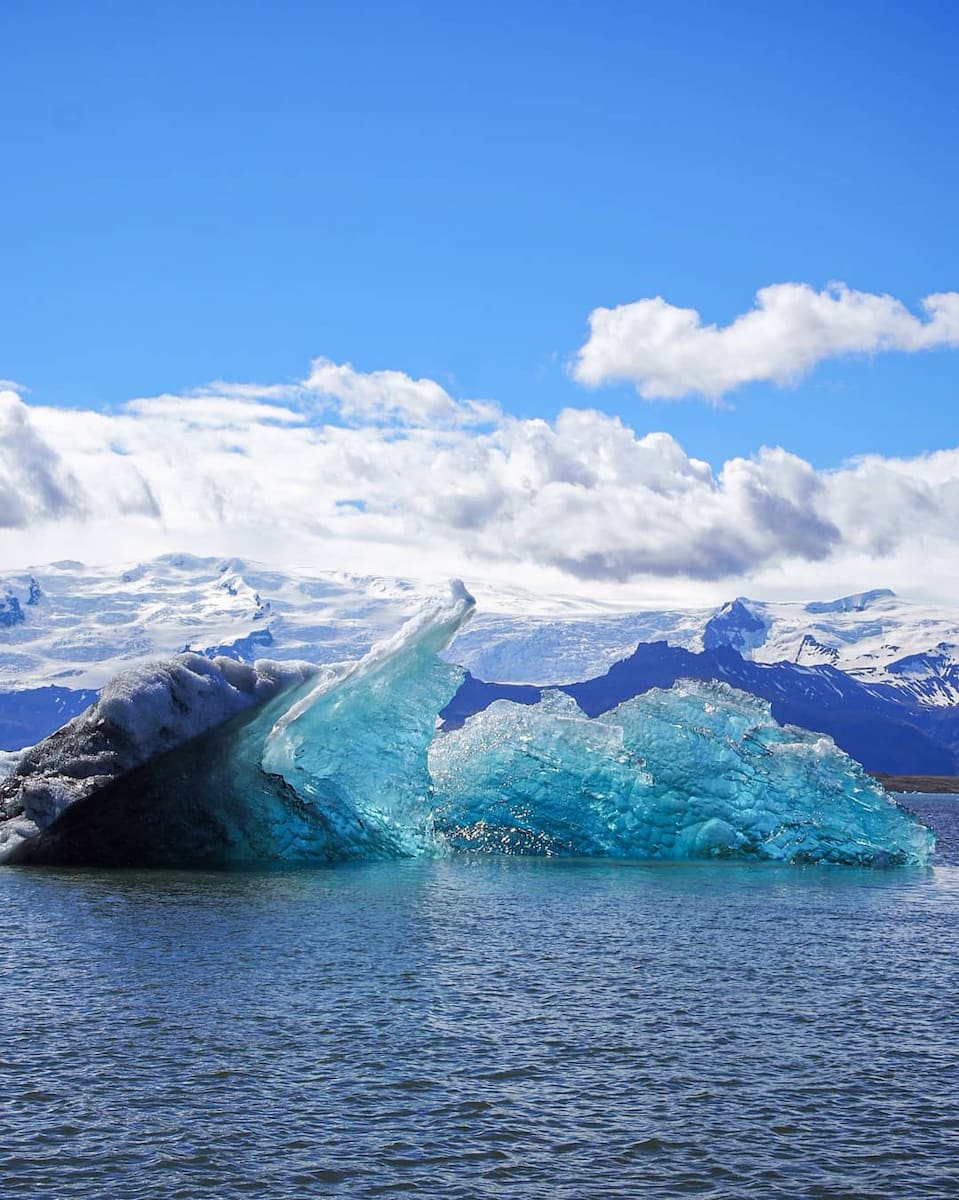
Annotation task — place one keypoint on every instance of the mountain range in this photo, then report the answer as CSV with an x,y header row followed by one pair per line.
x,y
877,672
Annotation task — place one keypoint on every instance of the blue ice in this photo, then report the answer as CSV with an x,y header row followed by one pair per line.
x,y
700,770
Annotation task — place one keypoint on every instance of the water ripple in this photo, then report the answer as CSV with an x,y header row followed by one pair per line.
x,y
482,1029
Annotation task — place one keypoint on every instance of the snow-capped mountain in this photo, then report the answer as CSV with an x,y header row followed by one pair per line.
x,y
73,626
66,628
876,637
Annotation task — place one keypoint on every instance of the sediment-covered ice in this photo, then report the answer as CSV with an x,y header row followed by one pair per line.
x,y
698,770
220,764
142,714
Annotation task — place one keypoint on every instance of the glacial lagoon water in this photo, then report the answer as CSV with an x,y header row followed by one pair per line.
x,y
483,1027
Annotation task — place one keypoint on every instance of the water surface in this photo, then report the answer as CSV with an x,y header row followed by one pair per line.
x,y
483,1027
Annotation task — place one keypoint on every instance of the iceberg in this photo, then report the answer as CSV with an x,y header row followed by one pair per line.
x,y
696,770
220,764
355,747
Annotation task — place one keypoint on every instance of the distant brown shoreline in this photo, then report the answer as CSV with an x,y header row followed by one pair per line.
x,y
917,783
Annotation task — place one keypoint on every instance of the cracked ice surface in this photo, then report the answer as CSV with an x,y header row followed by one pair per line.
x,y
698,770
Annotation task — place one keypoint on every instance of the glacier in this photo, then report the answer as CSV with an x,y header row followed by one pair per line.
x,y
216,763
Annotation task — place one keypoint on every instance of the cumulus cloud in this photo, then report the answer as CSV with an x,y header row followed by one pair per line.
x,y
256,471
667,352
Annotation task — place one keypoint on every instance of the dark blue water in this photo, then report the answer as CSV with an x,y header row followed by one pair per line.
x,y
483,1028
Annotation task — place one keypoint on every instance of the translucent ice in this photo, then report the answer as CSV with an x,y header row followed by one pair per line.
x,y
699,770
355,747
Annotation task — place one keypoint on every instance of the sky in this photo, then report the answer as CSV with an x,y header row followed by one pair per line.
x,y
655,301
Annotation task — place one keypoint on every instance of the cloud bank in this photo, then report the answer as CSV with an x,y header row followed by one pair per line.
x,y
667,352
383,473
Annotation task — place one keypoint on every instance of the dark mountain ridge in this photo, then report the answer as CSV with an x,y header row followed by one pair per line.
x,y
869,721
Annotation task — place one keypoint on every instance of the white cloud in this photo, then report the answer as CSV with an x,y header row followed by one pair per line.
x,y
213,410
34,480
585,499
381,397
667,352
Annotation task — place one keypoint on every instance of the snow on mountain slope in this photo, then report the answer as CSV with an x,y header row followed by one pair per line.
x,y
84,623
876,637
74,626
523,647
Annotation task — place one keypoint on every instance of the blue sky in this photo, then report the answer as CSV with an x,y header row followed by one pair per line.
x,y
229,190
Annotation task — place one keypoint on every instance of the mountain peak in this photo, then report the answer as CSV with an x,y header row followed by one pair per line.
x,y
858,602
736,625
